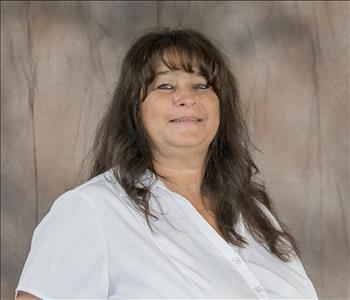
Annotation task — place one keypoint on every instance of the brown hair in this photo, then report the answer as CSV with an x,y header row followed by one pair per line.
x,y
122,143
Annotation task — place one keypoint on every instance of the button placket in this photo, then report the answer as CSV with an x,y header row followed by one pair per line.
x,y
261,292
247,274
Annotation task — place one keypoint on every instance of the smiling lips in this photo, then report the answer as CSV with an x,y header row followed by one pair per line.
x,y
186,119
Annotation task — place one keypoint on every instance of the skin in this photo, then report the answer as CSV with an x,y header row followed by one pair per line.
x,y
179,148
26,296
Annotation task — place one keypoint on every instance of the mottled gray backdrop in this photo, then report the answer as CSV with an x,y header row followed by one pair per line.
x,y
60,63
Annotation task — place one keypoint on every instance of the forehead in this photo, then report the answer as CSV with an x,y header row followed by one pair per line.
x,y
175,58
163,69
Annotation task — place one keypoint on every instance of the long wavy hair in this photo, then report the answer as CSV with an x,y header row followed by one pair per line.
x,y
122,143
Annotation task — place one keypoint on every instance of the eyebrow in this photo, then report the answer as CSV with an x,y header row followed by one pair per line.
x,y
172,71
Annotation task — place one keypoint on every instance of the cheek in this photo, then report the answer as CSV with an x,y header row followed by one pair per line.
x,y
146,118
215,109
147,110
152,117
215,116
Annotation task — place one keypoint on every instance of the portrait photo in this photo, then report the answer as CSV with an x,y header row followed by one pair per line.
x,y
175,150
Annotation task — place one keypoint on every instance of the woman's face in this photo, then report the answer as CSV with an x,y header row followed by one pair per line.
x,y
180,111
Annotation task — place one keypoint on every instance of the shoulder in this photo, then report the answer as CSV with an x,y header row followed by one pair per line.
x,y
86,205
99,190
76,214
102,185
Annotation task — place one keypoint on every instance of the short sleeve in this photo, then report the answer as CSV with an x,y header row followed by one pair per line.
x,y
68,255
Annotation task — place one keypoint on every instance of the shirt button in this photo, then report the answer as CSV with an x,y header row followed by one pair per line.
x,y
258,289
236,260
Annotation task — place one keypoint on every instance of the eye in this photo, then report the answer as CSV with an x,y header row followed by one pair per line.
x,y
201,86
165,86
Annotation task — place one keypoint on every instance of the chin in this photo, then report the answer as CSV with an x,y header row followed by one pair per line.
x,y
189,140
188,143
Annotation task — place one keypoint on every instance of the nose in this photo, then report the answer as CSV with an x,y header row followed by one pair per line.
x,y
185,97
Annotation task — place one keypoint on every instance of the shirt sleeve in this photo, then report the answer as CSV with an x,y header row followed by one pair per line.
x,y
68,255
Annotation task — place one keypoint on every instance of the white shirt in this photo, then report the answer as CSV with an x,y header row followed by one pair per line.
x,y
94,244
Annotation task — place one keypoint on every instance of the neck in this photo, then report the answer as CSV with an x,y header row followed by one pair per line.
x,y
182,172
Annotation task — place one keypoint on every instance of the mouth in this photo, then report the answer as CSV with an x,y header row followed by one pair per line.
x,y
185,119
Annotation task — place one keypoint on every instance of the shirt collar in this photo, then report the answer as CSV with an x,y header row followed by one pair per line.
x,y
150,180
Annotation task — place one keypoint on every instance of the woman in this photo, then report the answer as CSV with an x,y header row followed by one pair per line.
x,y
171,209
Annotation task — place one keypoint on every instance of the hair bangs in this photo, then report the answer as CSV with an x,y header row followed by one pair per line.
x,y
186,57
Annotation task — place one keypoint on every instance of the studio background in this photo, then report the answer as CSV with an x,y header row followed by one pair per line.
x,y
60,62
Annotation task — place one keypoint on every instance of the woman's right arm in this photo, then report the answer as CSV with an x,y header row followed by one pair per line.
x,y
25,296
